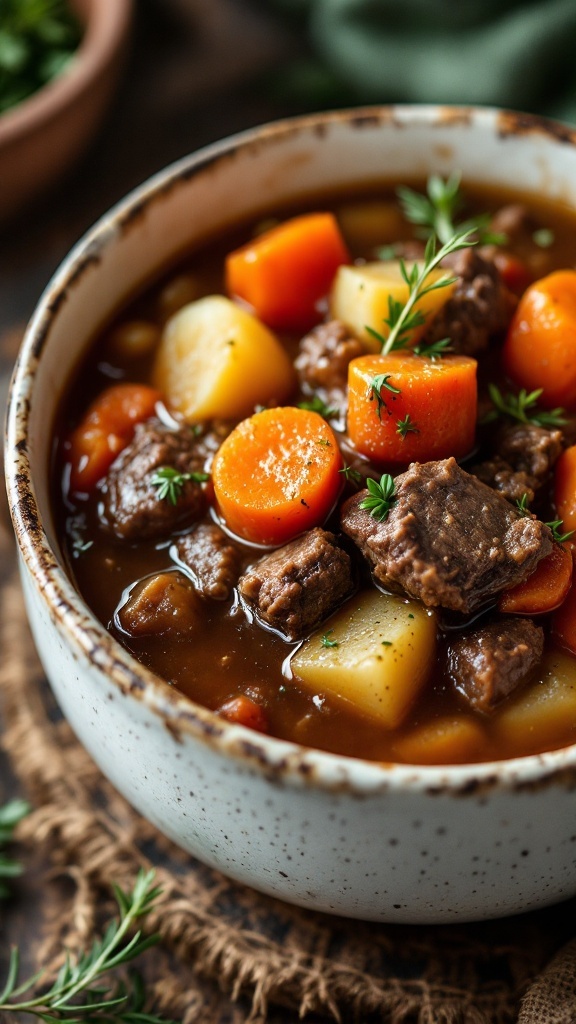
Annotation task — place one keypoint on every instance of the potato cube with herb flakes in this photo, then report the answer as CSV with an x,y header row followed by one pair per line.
x,y
376,652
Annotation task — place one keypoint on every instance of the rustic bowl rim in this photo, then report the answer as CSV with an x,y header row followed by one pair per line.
x,y
293,762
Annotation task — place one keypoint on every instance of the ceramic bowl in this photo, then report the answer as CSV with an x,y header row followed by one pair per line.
x,y
41,137
367,840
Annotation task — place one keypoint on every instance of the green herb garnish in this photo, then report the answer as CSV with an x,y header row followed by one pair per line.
x,y
522,505
380,498
435,212
316,404
10,814
433,350
78,993
352,475
170,482
402,317
406,426
523,408
556,526
543,237
375,391
386,643
326,640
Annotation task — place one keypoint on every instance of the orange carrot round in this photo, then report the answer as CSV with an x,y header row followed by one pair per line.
x,y
286,271
403,408
243,710
565,488
540,348
277,474
107,427
544,590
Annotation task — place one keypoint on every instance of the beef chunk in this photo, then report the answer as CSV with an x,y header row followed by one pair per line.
x,y
479,307
514,221
526,456
448,540
530,449
213,559
487,664
499,475
132,506
323,361
165,604
297,586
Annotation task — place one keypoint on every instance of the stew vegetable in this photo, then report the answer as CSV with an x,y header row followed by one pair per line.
x,y
322,478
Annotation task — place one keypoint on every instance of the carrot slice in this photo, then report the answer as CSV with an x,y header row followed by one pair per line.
x,y
564,619
403,408
242,710
545,589
514,273
286,271
277,474
107,427
565,488
540,347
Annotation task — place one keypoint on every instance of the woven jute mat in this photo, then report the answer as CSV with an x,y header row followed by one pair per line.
x,y
220,940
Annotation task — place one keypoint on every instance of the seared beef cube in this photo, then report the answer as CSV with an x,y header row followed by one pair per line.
x,y
294,588
323,361
530,449
133,508
514,221
479,306
448,540
213,559
165,604
499,475
488,664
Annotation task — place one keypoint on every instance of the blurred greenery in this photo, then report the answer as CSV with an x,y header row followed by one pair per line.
x,y
37,41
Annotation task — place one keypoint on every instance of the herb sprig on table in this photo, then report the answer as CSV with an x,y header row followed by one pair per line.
x,y
37,40
10,814
79,993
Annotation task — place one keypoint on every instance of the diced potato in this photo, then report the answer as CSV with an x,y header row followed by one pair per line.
x,y
541,714
451,740
371,222
360,297
133,339
216,359
376,652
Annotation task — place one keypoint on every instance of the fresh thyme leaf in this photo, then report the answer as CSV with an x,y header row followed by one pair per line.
x,y
522,505
78,993
435,212
556,527
351,474
404,318
326,640
406,426
523,408
386,643
375,391
434,349
10,814
170,482
380,497
316,404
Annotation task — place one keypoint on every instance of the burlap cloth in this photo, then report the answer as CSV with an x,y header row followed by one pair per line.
x,y
223,942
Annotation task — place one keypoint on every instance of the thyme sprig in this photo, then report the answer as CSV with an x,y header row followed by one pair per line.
x,y
380,498
327,641
170,482
78,994
403,317
406,426
435,213
380,381
352,475
433,349
10,814
523,408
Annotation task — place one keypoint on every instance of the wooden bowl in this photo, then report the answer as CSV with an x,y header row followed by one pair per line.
x,y
42,136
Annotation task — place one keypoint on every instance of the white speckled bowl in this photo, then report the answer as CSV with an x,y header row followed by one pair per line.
x,y
382,842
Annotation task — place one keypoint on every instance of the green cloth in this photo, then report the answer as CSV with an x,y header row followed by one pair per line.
x,y
509,53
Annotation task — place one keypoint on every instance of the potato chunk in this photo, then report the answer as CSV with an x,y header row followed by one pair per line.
x,y
447,740
360,297
540,716
376,652
216,359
